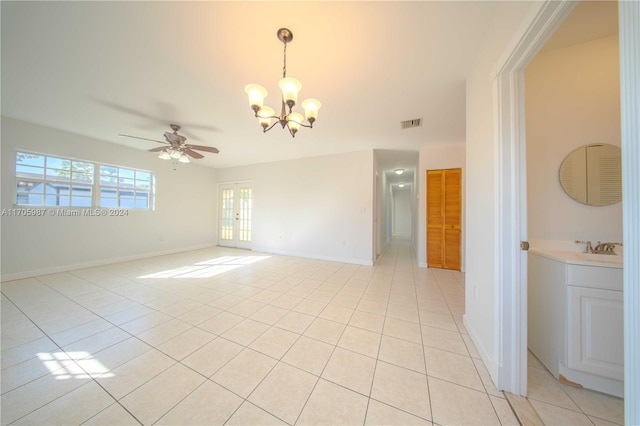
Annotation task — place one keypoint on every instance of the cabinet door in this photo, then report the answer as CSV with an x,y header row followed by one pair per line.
x,y
595,331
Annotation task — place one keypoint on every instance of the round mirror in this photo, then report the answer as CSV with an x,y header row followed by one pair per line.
x,y
592,175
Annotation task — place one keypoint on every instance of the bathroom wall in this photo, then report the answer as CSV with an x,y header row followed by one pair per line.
x,y
572,99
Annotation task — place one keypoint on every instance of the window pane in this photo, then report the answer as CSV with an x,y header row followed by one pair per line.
x,y
108,175
127,173
126,202
109,170
29,171
108,180
57,163
126,182
108,202
84,191
143,184
142,199
140,175
82,172
79,201
108,192
29,199
29,186
57,200
58,174
29,159
56,189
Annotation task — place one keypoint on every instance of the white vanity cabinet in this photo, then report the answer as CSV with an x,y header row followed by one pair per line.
x,y
576,319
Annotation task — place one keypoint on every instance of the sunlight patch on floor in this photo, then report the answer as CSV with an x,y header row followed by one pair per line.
x,y
73,365
208,268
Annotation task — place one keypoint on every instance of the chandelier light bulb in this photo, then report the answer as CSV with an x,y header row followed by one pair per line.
x,y
184,158
265,115
256,94
290,88
311,107
175,154
164,155
294,122
398,171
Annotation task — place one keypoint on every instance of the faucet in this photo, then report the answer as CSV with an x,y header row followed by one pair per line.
x,y
605,248
588,248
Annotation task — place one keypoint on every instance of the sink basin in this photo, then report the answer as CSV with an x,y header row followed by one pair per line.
x,y
575,257
595,257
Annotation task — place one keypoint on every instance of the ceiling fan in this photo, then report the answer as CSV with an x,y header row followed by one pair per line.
x,y
177,148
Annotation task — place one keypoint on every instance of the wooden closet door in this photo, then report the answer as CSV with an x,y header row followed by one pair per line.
x,y
435,219
444,218
452,219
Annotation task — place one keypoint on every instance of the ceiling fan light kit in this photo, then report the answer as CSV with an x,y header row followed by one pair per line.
x,y
290,88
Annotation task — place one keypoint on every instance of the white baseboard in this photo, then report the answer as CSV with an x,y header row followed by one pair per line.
x,y
91,264
488,361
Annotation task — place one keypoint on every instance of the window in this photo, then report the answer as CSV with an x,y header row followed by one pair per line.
x,y
43,180
127,188
53,181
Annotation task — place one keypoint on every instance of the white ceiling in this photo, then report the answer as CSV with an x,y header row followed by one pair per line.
x,y
104,68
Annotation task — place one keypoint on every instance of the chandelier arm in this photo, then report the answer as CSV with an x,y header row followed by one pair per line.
x,y
265,116
310,126
266,129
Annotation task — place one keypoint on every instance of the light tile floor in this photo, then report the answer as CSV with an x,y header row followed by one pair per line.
x,y
224,336
560,404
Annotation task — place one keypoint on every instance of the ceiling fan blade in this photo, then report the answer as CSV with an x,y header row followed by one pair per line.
x,y
144,139
157,149
204,148
193,154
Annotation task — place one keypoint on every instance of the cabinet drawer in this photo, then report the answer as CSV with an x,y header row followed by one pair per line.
x,y
595,277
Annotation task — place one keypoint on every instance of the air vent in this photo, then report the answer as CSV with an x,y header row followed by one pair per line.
x,y
416,122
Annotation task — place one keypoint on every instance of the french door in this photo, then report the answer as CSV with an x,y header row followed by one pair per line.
x,y
235,215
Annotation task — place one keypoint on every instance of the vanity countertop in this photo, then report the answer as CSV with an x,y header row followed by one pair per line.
x,y
578,258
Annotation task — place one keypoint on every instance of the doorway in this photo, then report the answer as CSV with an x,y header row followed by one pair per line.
x,y
401,212
235,227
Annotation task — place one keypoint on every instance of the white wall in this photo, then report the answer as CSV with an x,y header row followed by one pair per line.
x,y
481,287
436,157
402,212
184,216
319,207
572,99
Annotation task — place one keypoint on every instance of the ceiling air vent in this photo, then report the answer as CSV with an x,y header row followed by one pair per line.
x,y
416,122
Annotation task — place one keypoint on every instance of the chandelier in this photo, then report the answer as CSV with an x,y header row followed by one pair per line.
x,y
290,88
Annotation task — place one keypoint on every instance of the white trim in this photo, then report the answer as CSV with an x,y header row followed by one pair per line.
x,y
488,361
314,256
629,30
508,93
91,264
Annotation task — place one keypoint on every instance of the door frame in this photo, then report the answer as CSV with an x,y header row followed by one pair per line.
x,y
511,220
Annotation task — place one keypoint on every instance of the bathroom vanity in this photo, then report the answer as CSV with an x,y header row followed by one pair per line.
x,y
576,317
